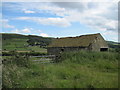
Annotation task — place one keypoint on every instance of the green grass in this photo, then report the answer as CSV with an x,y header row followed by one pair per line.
x,y
20,45
20,42
14,44
77,70
37,49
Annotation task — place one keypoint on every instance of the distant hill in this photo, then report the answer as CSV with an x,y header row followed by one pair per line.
x,y
11,36
112,44
24,42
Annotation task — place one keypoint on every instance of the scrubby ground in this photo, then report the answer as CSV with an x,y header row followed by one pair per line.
x,y
75,70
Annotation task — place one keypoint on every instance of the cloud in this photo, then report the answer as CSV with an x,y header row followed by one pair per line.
x,y
5,24
60,22
51,9
15,31
111,34
44,35
23,18
96,15
30,31
72,5
22,31
35,7
26,30
28,11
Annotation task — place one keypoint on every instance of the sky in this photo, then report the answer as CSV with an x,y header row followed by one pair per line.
x,y
61,19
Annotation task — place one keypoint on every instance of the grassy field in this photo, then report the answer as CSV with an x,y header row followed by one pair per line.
x,y
75,70
20,45
24,43
14,44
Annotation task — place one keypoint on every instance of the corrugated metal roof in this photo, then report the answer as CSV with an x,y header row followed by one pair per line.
x,y
81,41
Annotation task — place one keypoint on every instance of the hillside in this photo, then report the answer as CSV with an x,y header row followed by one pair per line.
x,y
32,42
24,42
113,44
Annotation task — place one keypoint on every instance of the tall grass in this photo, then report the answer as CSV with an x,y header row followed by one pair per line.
x,y
101,60
77,70
80,57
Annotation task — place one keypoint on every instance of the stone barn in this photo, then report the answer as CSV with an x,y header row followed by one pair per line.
x,y
91,42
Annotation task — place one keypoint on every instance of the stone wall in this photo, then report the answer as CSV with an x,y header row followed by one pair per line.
x,y
58,50
98,43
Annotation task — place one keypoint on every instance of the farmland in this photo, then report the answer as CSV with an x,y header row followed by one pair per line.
x,y
22,43
72,70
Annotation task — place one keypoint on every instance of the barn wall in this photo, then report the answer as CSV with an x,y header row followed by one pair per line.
x,y
57,50
53,50
98,43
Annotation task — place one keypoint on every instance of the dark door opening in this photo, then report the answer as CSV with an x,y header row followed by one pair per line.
x,y
103,49
62,50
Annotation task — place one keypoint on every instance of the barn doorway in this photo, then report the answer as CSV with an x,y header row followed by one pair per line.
x,y
62,49
103,49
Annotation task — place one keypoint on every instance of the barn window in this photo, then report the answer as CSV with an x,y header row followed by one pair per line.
x,y
103,49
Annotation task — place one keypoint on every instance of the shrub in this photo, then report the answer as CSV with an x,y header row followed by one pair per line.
x,y
17,59
11,73
10,76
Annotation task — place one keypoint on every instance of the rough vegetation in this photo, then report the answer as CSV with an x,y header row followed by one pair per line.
x,y
76,70
72,70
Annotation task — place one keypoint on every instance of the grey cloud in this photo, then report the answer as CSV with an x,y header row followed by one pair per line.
x,y
112,12
72,5
90,11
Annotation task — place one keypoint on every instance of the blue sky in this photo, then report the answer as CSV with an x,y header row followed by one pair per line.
x,y
61,19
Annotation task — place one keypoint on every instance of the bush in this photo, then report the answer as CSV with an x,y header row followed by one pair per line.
x,y
10,76
17,59
11,73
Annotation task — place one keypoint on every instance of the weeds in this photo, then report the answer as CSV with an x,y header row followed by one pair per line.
x,y
76,70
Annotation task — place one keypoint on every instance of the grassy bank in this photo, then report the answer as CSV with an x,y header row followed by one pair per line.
x,y
76,70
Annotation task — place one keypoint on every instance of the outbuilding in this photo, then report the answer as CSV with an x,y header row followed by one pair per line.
x,y
91,42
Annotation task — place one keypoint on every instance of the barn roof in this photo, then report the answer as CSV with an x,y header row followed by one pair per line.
x,y
82,41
